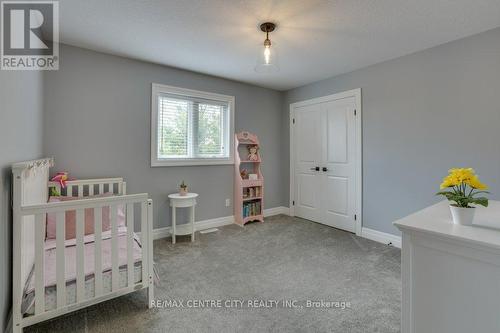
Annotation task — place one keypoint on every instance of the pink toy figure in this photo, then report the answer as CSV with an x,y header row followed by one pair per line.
x,y
61,177
252,156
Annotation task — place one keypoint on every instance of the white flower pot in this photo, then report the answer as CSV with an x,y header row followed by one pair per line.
x,y
463,216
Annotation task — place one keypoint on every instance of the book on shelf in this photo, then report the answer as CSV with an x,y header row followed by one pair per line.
x,y
252,192
251,209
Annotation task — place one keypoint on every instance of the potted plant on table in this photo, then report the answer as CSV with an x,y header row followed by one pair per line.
x,y
463,187
183,189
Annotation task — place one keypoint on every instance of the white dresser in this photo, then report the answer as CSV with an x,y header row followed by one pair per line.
x,y
450,273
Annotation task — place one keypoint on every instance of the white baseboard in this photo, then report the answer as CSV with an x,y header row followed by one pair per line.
x,y
217,222
276,211
381,237
199,225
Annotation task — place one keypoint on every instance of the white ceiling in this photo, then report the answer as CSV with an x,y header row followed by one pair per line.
x,y
315,39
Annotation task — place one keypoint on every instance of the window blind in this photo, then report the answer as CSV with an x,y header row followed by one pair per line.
x,y
190,127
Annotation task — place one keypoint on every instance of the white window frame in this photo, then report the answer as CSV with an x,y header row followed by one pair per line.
x,y
157,89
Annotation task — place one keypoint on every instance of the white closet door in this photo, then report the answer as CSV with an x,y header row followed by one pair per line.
x,y
339,154
308,138
325,137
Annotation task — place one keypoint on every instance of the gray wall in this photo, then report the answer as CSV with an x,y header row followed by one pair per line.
x,y
422,114
20,139
97,124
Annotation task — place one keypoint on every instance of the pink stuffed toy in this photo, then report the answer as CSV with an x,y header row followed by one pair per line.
x,y
61,178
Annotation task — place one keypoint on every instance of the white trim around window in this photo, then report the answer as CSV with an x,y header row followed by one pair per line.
x,y
158,91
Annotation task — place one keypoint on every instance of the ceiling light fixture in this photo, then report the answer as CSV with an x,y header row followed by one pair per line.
x,y
267,61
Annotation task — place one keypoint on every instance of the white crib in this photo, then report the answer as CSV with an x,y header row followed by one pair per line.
x,y
30,209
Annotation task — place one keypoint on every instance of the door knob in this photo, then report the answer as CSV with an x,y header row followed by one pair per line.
x,y
315,168
325,169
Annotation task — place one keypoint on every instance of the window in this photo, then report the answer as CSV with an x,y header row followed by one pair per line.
x,y
191,127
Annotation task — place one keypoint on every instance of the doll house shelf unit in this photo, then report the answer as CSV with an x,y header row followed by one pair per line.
x,y
248,192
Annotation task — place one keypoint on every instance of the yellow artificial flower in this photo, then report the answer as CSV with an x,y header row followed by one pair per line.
x,y
448,181
458,176
475,183
464,185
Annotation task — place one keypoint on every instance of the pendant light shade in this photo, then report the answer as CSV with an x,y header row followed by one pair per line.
x,y
267,60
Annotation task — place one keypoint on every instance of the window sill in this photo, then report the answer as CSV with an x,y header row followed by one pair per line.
x,y
190,162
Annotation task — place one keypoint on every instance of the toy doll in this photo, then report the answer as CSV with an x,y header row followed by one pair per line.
x,y
61,178
252,156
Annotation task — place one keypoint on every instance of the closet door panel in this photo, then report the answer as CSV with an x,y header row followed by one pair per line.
x,y
308,150
339,161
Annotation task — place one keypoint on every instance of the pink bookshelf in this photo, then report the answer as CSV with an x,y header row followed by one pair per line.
x,y
248,193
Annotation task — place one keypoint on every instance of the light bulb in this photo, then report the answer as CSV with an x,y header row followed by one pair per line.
x,y
264,63
267,54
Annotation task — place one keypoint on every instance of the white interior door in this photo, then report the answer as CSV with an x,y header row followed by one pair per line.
x,y
308,132
325,136
339,153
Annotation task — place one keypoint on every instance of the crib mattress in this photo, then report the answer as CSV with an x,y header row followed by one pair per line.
x,y
50,265
28,306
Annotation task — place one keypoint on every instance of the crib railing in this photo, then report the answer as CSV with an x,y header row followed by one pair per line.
x,y
89,187
130,203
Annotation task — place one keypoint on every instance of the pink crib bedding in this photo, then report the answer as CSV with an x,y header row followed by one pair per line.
x,y
89,266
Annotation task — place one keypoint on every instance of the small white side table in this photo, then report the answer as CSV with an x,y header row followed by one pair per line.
x,y
183,201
